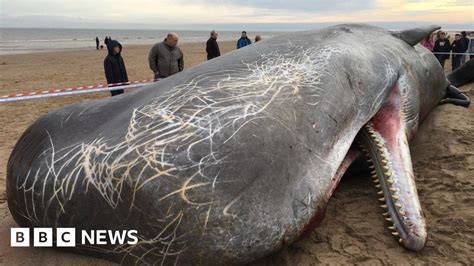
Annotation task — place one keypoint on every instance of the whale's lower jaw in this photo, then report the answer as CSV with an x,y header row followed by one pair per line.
x,y
383,140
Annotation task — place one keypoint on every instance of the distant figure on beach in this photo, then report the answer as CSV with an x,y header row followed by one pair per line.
x,y
470,49
114,66
465,41
442,48
97,43
458,49
258,38
428,42
106,40
165,58
243,41
212,48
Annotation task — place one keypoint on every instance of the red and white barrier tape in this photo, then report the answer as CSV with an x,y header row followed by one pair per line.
x,y
72,91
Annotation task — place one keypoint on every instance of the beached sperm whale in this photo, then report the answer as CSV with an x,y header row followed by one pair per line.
x,y
232,159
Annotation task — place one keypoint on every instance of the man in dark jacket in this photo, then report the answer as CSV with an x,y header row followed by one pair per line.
x,y
465,41
165,58
243,41
114,66
442,48
458,49
212,48
97,43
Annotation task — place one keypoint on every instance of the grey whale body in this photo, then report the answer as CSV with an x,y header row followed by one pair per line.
x,y
232,159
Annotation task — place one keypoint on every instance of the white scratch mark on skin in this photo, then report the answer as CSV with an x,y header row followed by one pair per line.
x,y
207,217
226,208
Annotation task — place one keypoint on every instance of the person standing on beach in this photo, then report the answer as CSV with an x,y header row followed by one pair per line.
x,y
212,48
442,48
114,66
465,41
458,50
165,58
97,43
243,41
106,41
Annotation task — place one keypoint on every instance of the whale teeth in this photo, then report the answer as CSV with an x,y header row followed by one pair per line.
x,y
388,174
396,197
400,240
373,172
376,180
377,186
385,214
393,189
372,166
395,233
380,192
383,206
386,167
388,219
391,228
382,199
398,205
389,180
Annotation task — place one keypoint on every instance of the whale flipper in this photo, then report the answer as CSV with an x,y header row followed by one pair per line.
x,y
414,36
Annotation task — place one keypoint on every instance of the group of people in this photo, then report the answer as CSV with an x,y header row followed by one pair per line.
x,y
440,45
244,40
212,47
165,58
97,42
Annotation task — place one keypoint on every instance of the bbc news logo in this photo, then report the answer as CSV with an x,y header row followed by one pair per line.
x,y
66,237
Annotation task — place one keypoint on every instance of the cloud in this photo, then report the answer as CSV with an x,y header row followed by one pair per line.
x,y
153,13
296,5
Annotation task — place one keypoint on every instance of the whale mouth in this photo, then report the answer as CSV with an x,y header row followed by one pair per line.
x,y
384,142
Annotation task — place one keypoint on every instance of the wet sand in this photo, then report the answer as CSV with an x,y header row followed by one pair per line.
x,y
353,230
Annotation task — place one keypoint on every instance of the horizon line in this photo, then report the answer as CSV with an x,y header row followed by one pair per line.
x,y
231,26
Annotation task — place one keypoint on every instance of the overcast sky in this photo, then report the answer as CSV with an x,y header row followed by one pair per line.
x,y
160,13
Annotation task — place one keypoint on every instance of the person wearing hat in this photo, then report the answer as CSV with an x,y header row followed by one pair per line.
x,y
114,66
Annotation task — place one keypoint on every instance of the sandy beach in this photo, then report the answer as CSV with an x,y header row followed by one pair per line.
x,y
353,230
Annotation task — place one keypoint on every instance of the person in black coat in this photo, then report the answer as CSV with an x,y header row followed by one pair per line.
x,y
97,43
212,48
458,49
442,48
114,66
465,41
